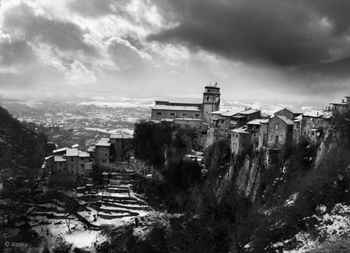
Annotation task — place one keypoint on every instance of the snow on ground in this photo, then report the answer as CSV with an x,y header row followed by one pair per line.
x,y
84,239
291,200
332,226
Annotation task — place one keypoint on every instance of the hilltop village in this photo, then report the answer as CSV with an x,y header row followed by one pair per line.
x,y
246,129
203,167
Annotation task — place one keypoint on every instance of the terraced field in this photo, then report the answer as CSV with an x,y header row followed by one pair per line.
x,y
55,213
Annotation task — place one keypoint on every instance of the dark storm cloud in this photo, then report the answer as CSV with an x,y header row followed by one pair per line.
x,y
63,35
287,34
337,11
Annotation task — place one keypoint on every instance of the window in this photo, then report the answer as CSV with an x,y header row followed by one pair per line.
x,y
172,114
71,159
197,115
184,114
105,154
159,113
208,98
276,126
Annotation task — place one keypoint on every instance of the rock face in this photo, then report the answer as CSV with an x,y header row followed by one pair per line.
x,y
249,177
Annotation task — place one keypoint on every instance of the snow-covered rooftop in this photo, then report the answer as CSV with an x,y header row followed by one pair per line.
x,y
240,130
230,113
248,111
72,152
256,121
314,114
59,150
83,154
103,142
176,108
121,136
286,120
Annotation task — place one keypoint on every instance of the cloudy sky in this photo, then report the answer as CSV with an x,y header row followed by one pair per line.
x,y
278,49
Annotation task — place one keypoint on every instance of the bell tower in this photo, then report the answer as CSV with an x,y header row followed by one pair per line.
x,y
211,101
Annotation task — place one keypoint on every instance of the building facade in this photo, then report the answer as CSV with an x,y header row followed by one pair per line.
x,y
188,115
103,153
211,101
122,146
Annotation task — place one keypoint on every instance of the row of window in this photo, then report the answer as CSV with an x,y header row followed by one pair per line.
x,y
183,115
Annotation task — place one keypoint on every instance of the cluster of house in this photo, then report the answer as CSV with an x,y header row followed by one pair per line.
x,y
71,163
246,128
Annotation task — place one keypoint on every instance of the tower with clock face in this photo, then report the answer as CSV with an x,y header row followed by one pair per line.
x,y
211,101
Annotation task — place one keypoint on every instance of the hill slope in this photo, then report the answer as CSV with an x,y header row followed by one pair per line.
x,y
21,149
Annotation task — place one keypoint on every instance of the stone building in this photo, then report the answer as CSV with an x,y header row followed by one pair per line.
x,y
222,122
122,145
172,110
315,124
253,127
187,123
188,114
279,132
116,148
246,137
342,107
66,165
103,153
240,140
285,112
211,101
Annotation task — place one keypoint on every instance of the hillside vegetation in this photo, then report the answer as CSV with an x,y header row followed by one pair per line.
x,y
21,149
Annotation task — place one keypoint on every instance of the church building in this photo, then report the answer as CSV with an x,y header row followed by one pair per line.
x,y
190,115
